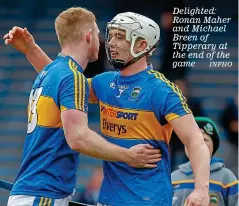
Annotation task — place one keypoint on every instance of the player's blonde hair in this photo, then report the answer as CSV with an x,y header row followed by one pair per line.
x,y
71,23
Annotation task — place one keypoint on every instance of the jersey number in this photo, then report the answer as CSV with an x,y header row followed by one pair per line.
x,y
32,109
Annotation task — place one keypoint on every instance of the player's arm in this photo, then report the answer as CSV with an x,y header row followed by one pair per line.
x,y
38,58
175,110
24,42
191,136
80,138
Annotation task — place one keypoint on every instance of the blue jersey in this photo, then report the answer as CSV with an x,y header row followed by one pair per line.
x,y
137,109
49,165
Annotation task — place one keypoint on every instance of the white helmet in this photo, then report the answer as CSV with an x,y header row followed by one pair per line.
x,y
136,26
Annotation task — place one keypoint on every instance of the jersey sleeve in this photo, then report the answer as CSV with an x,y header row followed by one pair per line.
x,y
175,104
74,92
171,102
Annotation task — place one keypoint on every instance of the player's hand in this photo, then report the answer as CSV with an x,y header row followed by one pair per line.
x,y
144,156
20,39
199,197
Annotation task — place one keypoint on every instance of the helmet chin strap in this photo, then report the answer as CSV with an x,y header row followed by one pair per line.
x,y
131,62
121,65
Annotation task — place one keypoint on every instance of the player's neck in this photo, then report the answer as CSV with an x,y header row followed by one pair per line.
x,y
79,55
135,68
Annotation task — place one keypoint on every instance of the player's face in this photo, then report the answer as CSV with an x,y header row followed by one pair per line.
x,y
207,140
94,44
119,46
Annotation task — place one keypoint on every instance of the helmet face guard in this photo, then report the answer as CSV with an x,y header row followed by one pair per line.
x,y
117,63
135,26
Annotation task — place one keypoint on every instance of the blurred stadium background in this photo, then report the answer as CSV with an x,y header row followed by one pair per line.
x,y
210,91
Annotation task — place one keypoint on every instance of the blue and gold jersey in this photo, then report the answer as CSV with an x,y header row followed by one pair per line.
x,y
49,165
137,109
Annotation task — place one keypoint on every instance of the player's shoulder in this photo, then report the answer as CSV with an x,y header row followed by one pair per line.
x,y
63,68
159,82
157,78
105,77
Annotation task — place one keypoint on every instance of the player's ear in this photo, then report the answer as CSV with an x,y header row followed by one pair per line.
x,y
89,36
142,45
